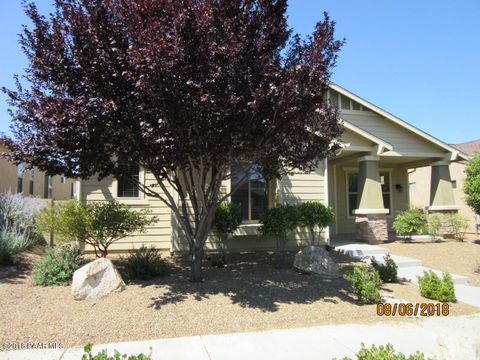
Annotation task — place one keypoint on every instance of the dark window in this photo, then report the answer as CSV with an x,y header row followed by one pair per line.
x,y
251,196
454,184
125,187
31,183
20,170
47,188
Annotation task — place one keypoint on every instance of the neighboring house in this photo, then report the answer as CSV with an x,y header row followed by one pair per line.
x,y
32,182
366,183
420,178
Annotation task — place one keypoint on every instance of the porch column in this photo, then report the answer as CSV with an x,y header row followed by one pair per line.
x,y
370,216
441,191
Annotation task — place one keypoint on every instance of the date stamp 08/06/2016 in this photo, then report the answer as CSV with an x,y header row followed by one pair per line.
x,y
13,345
411,309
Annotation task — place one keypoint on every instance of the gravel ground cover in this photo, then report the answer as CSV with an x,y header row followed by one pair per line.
x,y
456,257
247,295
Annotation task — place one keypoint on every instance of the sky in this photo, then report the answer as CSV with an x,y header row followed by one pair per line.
x,y
416,59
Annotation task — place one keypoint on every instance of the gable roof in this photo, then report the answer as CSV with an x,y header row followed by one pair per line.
x,y
457,154
469,147
382,145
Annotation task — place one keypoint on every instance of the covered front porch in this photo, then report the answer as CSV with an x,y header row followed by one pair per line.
x,y
368,185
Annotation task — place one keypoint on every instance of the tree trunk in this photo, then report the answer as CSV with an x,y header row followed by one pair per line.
x,y
196,265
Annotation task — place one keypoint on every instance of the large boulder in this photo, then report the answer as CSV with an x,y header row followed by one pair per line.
x,y
316,260
96,280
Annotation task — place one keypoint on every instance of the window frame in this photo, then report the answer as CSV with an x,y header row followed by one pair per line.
x,y
20,168
251,221
130,199
390,192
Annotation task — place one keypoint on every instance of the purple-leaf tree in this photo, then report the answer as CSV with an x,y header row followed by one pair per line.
x,y
186,89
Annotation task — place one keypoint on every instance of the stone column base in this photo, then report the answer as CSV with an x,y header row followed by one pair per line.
x,y
371,228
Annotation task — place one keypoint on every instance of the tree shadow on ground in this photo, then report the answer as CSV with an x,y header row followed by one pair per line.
x,y
250,281
15,274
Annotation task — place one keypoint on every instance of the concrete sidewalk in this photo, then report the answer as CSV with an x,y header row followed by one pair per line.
x,y
446,338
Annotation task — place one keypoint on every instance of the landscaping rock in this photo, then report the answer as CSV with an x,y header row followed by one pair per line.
x,y
316,260
96,280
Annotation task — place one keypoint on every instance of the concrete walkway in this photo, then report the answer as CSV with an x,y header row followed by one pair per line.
x,y
410,268
446,338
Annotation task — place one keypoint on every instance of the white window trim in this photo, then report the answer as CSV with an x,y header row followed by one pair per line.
x,y
349,170
138,200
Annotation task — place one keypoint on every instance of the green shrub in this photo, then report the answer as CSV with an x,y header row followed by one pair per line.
x,y
13,240
278,222
457,225
57,266
435,225
387,270
386,352
103,355
366,283
432,287
98,224
48,220
410,222
451,223
228,218
313,214
17,230
144,263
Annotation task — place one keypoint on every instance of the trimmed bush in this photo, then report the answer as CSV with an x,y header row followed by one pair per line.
x,y
313,214
278,222
410,222
103,355
144,263
228,218
98,224
387,270
57,266
432,287
366,283
386,352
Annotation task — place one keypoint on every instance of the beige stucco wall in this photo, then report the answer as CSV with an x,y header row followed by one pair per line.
x,y
419,180
8,181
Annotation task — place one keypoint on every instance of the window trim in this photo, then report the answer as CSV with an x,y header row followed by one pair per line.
x,y
268,184
137,200
388,170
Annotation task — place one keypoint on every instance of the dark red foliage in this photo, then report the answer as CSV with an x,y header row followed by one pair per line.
x,y
177,86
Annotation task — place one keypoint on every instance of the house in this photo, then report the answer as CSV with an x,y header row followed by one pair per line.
x,y
419,178
32,182
366,183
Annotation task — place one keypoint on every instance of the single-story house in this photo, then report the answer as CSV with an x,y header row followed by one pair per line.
x,y
420,178
33,182
366,183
